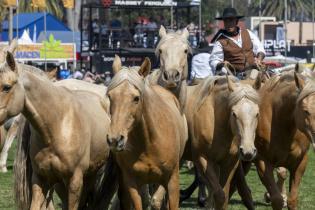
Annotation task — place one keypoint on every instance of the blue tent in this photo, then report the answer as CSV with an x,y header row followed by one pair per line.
x,y
32,22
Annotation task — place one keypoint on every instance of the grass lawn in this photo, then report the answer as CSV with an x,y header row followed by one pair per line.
x,y
306,193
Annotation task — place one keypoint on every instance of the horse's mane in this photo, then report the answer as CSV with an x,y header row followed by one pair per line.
x,y
173,36
131,75
205,88
243,91
34,70
308,89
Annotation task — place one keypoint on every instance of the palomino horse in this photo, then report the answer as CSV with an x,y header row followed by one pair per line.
x,y
65,145
172,49
222,118
285,129
147,134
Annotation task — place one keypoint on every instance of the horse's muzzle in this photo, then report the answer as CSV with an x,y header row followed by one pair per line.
x,y
117,143
247,155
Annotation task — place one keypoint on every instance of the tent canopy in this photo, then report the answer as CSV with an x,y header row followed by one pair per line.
x,y
32,22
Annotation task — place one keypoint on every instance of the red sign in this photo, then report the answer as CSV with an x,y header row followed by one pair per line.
x,y
106,3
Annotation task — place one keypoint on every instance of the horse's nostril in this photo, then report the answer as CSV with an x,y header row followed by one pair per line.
x,y
241,150
177,76
109,141
165,75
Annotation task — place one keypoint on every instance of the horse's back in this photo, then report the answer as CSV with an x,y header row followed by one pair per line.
x,y
74,84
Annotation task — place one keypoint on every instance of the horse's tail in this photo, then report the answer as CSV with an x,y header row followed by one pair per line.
x,y
106,184
22,167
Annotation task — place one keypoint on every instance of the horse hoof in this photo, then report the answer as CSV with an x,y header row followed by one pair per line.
x,y
202,202
267,197
155,204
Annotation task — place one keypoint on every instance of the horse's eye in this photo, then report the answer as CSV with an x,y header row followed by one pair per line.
x,y
257,115
307,112
6,88
136,99
160,51
186,51
234,115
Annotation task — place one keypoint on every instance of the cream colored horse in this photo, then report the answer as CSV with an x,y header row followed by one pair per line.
x,y
67,143
222,118
172,49
147,135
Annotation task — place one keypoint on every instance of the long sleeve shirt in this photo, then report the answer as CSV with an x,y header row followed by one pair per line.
x,y
217,54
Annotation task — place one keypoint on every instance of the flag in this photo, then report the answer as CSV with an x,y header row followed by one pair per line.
x,y
11,3
68,4
39,3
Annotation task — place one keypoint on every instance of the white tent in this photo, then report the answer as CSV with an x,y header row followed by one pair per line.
x,y
25,38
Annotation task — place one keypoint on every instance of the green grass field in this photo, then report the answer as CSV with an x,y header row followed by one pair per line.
x,y
306,195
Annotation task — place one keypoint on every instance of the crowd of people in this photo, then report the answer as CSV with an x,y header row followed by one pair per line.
x,y
143,33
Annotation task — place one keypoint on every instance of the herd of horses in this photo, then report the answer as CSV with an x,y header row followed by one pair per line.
x,y
86,142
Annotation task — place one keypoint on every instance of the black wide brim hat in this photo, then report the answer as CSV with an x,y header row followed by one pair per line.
x,y
229,13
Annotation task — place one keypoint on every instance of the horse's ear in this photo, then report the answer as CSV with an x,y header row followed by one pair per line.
x,y
185,33
52,74
10,61
13,46
297,68
116,64
162,31
231,85
145,67
299,82
258,81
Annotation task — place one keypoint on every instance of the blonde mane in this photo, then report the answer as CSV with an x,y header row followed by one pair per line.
x,y
131,75
243,91
308,89
173,37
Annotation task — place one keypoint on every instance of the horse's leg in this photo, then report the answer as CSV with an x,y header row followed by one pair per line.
x,y
295,179
129,193
62,193
5,150
173,189
75,189
265,172
157,198
202,194
281,175
227,171
239,183
186,193
208,171
39,191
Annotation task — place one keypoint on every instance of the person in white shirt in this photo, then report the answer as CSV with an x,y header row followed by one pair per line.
x,y
241,48
200,67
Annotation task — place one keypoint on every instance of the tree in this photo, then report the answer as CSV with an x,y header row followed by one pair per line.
x,y
296,9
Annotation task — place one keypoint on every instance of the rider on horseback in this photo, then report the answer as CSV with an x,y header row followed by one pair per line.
x,y
241,48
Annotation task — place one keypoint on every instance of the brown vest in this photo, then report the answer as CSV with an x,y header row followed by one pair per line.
x,y
238,57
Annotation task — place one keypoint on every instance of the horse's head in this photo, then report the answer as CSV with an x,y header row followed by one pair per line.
x,y
244,104
305,107
125,93
12,95
172,50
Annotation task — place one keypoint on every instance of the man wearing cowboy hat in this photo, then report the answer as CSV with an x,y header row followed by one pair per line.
x,y
241,48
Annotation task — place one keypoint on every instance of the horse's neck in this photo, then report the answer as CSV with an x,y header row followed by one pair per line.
x,y
220,101
41,103
145,129
282,102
